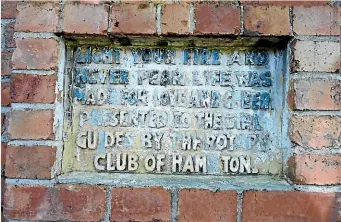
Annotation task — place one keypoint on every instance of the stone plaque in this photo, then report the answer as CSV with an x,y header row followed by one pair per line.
x,y
166,110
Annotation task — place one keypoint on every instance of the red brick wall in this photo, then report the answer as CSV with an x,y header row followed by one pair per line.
x,y
31,102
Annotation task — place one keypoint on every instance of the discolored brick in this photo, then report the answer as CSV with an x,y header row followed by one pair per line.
x,y
38,17
8,9
134,18
217,19
140,204
9,39
266,20
317,20
5,94
6,64
315,169
35,54
316,56
175,19
317,94
22,164
3,155
85,18
283,206
70,202
33,88
31,124
316,131
205,205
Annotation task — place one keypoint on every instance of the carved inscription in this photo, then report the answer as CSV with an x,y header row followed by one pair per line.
x,y
175,111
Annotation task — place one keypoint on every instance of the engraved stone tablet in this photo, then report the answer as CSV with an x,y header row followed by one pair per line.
x,y
173,110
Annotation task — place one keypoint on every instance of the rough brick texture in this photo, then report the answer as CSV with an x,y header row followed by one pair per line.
x,y
35,54
38,17
217,19
316,94
316,131
64,202
283,206
5,94
36,124
8,9
22,164
205,205
175,19
315,169
85,18
140,204
134,19
265,20
318,20
6,65
9,40
33,88
3,154
316,56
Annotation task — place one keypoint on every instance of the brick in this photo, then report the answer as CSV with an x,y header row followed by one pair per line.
x,y
134,19
35,54
3,123
310,56
85,19
265,20
175,19
217,19
3,155
31,125
72,202
317,94
282,206
33,88
8,9
38,17
315,169
204,205
22,164
316,131
6,64
284,3
317,20
9,40
5,94
140,204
